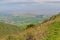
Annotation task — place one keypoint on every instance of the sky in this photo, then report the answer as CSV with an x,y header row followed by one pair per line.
x,y
6,5
41,1
26,0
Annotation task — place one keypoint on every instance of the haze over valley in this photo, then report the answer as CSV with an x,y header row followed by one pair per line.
x,y
29,19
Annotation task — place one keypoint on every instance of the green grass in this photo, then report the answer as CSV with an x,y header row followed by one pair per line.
x,y
54,31
7,29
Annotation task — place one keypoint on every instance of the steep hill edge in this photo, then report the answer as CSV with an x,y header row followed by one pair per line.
x,y
48,30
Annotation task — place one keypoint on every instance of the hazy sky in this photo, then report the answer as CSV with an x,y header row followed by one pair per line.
x,y
41,1
29,4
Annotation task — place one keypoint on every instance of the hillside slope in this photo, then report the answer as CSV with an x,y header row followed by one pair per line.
x,y
48,30
7,29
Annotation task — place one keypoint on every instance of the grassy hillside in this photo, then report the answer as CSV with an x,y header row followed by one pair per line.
x,y
7,29
48,30
54,28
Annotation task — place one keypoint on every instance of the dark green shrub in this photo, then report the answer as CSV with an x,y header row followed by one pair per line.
x,y
30,25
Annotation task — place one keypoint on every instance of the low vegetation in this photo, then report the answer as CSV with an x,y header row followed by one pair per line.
x,y
48,30
30,25
7,29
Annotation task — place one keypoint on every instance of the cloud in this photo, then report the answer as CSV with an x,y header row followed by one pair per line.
x,y
28,0
26,3
39,1
31,2
52,3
